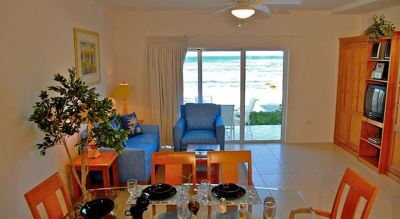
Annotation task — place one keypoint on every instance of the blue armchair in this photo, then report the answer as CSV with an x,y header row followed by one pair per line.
x,y
199,124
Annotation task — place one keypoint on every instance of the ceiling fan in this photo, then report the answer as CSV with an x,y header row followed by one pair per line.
x,y
244,9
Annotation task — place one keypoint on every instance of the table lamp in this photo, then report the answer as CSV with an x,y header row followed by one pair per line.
x,y
122,92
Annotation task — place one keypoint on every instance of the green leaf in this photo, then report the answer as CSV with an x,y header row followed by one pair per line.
x,y
69,106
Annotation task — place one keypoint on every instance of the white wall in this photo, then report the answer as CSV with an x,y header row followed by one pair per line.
x,y
311,37
392,14
36,40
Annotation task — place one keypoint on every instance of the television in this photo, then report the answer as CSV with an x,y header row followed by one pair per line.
x,y
374,102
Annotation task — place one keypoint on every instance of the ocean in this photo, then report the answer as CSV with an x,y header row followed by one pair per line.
x,y
221,78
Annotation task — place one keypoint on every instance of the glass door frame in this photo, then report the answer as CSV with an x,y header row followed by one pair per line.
x,y
243,90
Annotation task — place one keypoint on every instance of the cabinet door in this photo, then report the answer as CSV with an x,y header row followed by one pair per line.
x,y
358,73
343,99
351,87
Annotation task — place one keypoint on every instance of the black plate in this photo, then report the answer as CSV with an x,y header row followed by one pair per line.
x,y
228,191
97,208
160,191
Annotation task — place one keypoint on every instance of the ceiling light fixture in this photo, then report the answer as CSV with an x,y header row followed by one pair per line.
x,y
243,12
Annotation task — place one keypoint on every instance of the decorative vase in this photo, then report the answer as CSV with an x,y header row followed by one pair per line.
x,y
93,151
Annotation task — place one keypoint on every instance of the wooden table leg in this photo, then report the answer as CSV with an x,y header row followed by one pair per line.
x,y
106,177
216,173
115,173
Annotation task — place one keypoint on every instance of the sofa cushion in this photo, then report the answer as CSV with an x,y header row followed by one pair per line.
x,y
199,137
147,142
131,124
200,116
143,139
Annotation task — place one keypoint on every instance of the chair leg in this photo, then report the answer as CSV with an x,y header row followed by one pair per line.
x,y
249,130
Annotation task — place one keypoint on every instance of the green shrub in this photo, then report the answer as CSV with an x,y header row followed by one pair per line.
x,y
266,118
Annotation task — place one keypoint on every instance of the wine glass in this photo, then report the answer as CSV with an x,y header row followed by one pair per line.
x,y
183,194
205,189
252,197
131,185
269,210
182,210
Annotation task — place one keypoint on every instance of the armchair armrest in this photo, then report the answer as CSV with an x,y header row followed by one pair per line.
x,y
220,132
308,210
179,131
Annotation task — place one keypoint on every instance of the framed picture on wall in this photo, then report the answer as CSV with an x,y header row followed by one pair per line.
x,y
87,55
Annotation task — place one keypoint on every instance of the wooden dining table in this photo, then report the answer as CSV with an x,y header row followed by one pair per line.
x,y
285,200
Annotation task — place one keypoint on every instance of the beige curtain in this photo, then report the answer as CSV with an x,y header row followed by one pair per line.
x,y
165,58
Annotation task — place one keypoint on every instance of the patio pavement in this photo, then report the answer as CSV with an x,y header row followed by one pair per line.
x,y
255,132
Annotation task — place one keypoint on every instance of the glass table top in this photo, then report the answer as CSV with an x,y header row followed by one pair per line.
x,y
285,199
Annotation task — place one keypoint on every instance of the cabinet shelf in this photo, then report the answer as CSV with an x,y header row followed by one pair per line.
x,y
378,60
375,145
372,122
376,80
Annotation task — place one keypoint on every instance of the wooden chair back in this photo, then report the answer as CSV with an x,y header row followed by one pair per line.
x,y
229,165
45,193
173,163
358,187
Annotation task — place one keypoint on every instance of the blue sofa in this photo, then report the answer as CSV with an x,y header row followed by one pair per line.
x,y
199,124
135,161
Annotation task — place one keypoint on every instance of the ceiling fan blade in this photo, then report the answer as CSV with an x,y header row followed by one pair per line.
x,y
260,1
225,9
280,2
262,8
217,4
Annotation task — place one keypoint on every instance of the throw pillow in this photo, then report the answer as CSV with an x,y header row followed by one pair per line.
x,y
116,123
131,124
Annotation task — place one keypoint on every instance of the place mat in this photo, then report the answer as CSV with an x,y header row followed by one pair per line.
x,y
214,200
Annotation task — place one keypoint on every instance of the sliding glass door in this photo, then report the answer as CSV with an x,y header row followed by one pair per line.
x,y
223,77
264,95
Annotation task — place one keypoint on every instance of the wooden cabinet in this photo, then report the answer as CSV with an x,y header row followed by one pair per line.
x,y
350,92
354,131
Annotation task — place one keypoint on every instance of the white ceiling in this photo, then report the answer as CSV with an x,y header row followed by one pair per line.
x,y
335,6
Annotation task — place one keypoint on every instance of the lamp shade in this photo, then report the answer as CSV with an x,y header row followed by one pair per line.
x,y
122,91
243,12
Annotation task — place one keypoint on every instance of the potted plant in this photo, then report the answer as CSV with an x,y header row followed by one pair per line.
x,y
380,27
65,109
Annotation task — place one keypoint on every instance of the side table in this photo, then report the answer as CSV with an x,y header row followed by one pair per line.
x,y
103,163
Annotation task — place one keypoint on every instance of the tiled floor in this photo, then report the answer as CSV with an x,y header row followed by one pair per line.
x,y
316,170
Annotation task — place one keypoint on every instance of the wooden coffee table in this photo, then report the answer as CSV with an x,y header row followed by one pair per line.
x,y
201,160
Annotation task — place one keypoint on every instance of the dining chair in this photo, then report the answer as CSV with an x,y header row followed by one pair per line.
x,y
174,163
46,193
357,187
248,109
229,165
